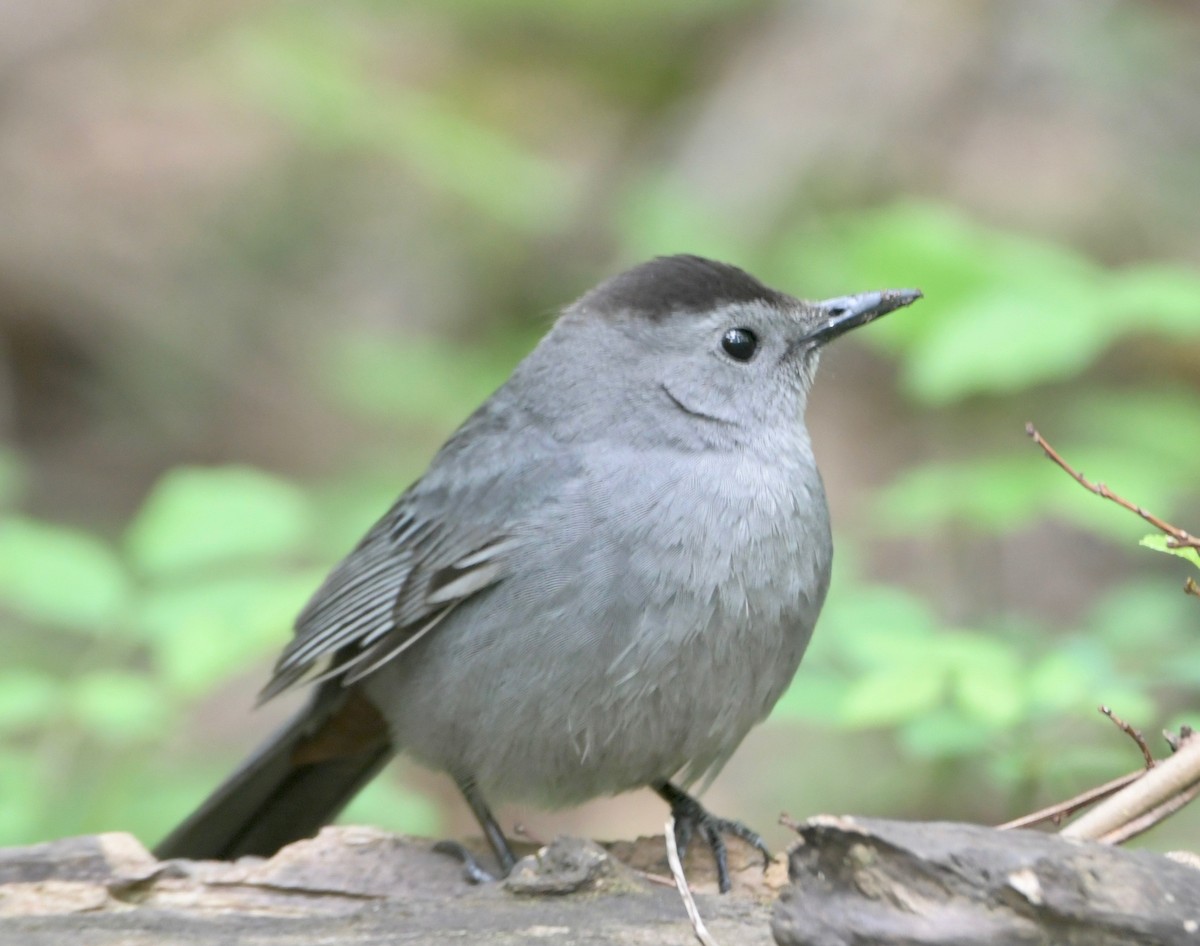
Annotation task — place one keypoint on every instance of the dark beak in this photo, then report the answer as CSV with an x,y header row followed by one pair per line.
x,y
847,312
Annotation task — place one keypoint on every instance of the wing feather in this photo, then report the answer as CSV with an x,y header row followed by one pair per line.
x,y
402,580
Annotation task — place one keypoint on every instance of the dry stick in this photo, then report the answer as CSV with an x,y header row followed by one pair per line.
x,y
1151,818
1056,813
1064,809
1132,733
1179,537
1168,778
681,884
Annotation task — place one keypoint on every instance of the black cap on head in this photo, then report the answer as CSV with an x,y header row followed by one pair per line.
x,y
682,283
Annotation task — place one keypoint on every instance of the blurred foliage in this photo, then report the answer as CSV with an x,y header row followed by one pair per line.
x,y
115,641
1002,311
218,560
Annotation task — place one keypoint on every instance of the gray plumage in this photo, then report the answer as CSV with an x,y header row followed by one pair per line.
x,y
611,571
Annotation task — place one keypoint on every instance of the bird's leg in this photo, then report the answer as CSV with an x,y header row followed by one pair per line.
x,y
475,873
691,817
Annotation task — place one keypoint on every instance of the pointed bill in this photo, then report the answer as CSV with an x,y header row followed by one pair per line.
x,y
847,312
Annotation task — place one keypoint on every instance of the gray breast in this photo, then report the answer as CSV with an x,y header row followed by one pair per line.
x,y
660,609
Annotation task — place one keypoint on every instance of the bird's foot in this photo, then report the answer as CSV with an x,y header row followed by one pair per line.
x,y
473,871
692,818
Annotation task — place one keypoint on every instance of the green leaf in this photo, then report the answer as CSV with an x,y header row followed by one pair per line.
x,y
54,575
196,518
1159,542
892,695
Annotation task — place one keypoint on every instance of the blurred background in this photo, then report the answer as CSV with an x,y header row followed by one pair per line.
x,y
257,259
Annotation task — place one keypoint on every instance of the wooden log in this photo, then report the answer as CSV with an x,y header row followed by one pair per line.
x,y
868,881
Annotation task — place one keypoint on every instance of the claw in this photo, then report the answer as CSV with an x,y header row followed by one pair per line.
x,y
473,871
690,816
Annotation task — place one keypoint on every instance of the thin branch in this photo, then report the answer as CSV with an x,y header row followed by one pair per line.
x,y
1147,821
1132,733
1064,809
1169,778
1179,538
685,892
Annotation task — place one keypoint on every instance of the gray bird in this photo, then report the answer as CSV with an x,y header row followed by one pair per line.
x,y
606,577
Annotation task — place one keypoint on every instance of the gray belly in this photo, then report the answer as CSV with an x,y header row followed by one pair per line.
x,y
651,657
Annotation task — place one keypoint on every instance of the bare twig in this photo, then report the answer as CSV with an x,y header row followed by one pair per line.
x,y
1132,733
1064,809
685,892
1169,778
1177,538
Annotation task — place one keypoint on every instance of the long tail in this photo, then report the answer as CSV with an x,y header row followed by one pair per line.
x,y
292,785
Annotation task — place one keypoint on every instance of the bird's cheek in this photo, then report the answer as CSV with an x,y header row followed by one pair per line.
x,y
704,401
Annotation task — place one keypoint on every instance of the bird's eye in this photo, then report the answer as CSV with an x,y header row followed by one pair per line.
x,y
740,343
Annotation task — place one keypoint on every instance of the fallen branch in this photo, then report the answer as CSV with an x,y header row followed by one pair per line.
x,y
1064,809
1147,821
862,881
1148,796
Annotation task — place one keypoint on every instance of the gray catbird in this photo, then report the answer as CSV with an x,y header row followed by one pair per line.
x,y
605,578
